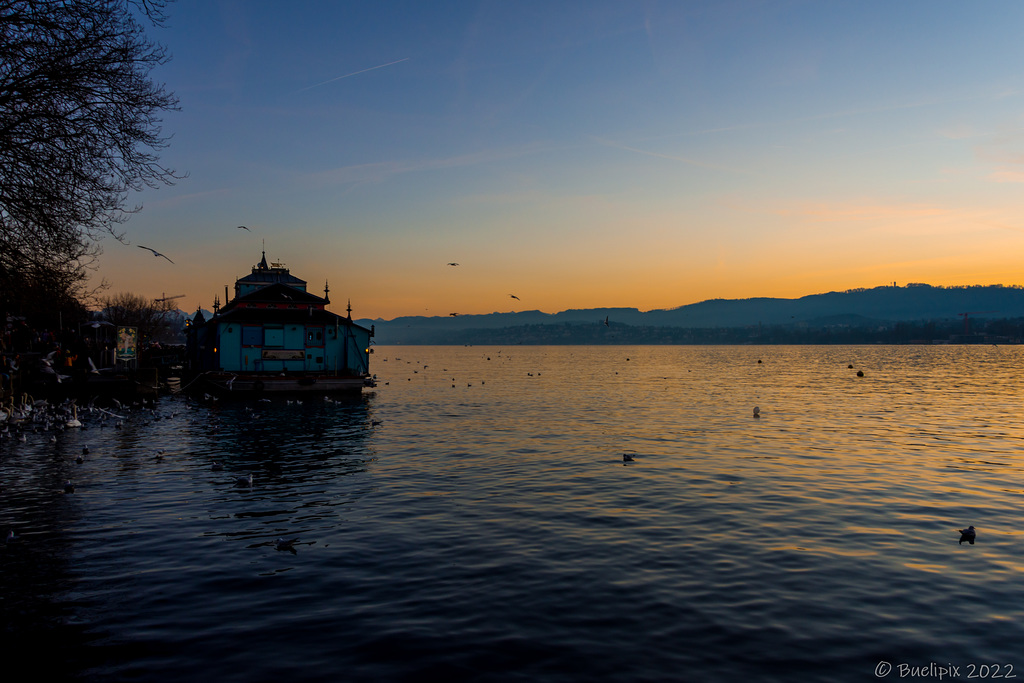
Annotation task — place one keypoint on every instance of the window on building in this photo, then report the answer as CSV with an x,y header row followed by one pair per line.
x,y
273,336
252,335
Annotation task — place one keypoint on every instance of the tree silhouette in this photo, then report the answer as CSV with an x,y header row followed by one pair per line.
x,y
153,317
80,130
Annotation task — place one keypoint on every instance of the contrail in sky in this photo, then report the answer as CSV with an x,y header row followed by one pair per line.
x,y
354,73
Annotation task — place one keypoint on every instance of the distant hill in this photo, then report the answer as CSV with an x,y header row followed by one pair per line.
x,y
860,308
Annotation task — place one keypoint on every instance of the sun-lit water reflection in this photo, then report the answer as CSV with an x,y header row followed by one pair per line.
x,y
473,518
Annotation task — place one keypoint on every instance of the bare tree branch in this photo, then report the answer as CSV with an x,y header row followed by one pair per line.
x,y
152,316
80,130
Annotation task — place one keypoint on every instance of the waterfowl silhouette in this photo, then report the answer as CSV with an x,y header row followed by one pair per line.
x,y
155,252
286,544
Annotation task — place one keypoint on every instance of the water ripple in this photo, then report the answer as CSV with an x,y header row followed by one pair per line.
x,y
490,530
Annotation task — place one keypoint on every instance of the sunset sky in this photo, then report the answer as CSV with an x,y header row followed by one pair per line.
x,y
584,154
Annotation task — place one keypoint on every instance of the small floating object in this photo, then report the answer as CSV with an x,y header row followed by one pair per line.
x,y
216,467
967,534
286,544
244,481
69,487
79,460
757,412
860,373
11,538
626,457
85,450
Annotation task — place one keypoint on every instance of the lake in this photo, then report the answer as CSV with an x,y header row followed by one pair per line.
x,y
472,518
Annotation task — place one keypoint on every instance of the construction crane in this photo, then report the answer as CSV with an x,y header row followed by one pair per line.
x,y
967,321
164,297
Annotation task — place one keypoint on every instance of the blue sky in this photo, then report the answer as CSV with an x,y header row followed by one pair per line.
x,y
584,154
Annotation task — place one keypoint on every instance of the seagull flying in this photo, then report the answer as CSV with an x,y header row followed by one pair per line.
x,y
155,252
242,227
967,534
453,264
515,297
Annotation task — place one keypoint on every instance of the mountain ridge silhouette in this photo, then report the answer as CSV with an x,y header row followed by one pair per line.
x,y
890,304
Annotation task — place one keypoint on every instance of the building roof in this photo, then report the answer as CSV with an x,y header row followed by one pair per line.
x,y
264,273
303,316
277,293
289,305
276,297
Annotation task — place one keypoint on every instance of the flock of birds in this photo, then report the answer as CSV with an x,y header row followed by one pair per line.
x,y
454,381
967,534
32,422
511,296
41,417
157,254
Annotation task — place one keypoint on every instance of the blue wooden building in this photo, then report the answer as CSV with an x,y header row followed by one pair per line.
x,y
274,335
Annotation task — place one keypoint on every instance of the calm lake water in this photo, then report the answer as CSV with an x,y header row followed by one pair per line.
x,y
472,519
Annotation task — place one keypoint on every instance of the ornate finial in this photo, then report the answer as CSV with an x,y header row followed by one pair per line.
x,y
350,309
216,304
327,291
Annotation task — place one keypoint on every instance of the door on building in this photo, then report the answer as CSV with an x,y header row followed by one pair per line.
x,y
315,348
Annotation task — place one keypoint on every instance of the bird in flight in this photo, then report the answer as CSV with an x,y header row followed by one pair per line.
x,y
453,314
242,227
515,297
606,321
155,252
453,264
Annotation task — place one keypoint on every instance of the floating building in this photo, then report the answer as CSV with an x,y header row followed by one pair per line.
x,y
275,336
